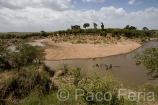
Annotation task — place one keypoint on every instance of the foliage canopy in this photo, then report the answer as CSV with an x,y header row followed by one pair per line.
x,y
23,55
148,59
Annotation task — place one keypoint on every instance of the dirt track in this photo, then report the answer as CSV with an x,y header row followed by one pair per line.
x,y
57,51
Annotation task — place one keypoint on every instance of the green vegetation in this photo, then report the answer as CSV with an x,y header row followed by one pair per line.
x,y
71,79
28,81
35,83
23,74
25,80
102,26
75,27
148,59
130,27
86,25
23,55
95,25
145,29
128,31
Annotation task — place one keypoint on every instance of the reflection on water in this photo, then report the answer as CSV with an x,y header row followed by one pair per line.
x,y
12,48
36,44
122,67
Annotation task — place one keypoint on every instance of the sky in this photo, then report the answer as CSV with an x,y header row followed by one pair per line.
x,y
54,15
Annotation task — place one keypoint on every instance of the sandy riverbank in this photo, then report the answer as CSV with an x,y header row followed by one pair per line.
x,y
58,51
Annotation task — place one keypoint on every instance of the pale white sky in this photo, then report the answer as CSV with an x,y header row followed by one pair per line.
x,y
53,15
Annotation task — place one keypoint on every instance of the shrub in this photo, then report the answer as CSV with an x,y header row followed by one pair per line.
x,y
28,81
148,59
103,33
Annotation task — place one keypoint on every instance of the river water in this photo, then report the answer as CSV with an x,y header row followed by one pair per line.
x,y
122,67
12,48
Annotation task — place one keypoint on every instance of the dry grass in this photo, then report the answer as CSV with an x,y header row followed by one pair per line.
x,y
90,39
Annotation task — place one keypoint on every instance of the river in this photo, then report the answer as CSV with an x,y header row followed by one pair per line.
x,y
122,66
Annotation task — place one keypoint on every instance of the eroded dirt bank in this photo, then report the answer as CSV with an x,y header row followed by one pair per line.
x,y
58,51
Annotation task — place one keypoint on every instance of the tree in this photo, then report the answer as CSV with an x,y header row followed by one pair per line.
x,y
145,29
127,27
75,27
95,25
25,54
68,31
102,26
130,27
133,28
85,25
43,33
148,59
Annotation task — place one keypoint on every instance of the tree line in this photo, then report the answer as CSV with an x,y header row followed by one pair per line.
x,y
128,31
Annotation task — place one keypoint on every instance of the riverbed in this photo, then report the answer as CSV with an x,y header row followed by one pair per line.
x,y
121,66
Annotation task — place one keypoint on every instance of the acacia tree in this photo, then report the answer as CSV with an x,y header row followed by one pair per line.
x,y
148,59
145,29
133,28
127,27
75,27
85,25
102,26
95,25
130,27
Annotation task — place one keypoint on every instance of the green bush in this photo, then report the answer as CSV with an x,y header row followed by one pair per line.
x,y
28,80
103,33
148,59
25,54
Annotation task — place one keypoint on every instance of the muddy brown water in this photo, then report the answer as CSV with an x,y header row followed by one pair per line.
x,y
122,67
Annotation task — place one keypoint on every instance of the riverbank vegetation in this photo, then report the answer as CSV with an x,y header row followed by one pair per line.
x,y
28,82
23,55
34,85
148,60
128,31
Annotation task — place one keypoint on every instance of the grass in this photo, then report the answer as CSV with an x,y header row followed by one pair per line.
x,y
149,88
28,87
21,84
92,39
